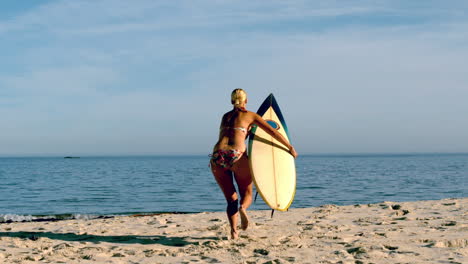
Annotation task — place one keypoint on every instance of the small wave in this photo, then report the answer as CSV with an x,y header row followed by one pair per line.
x,y
7,218
10,218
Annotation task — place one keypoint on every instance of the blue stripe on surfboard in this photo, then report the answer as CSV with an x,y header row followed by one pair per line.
x,y
265,105
271,101
275,106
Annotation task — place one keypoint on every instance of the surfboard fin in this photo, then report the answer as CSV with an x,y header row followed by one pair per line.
x,y
272,212
256,194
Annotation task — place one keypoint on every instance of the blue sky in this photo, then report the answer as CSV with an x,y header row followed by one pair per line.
x,y
119,77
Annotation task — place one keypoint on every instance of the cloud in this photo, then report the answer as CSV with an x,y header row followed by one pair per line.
x,y
150,76
110,17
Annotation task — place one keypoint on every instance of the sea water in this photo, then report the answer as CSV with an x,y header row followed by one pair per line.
x,y
99,186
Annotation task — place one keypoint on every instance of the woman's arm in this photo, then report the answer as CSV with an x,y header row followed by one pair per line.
x,y
274,133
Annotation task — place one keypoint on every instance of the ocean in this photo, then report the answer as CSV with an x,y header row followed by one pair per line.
x,y
35,188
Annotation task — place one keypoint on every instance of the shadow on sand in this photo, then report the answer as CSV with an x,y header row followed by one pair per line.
x,y
162,240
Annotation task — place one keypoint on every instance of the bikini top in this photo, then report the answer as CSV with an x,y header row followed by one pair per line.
x,y
243,129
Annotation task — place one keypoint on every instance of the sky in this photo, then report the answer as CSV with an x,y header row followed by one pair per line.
x,y
154,77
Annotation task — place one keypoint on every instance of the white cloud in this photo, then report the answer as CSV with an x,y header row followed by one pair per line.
x,y
150,76
111,16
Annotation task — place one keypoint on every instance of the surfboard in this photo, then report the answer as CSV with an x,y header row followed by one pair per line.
x,y
272,166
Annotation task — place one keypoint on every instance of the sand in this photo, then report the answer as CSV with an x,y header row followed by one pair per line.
x,y
389,232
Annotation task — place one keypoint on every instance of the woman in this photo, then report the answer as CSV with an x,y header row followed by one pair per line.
x,y
229,158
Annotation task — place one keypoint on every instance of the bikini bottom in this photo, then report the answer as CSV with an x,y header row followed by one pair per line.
x,y
226,157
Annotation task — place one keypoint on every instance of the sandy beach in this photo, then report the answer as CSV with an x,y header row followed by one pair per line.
x,y
388,232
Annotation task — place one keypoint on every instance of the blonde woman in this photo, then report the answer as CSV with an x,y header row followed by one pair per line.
x,y
229,159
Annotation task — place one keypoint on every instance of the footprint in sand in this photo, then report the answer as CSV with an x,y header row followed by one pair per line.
x,y
390,247
449,204
454,243
261,251
209,260
215,227
450,223
149,253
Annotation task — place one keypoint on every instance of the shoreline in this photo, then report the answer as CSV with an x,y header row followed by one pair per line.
x,y
17,218
388,232
30,218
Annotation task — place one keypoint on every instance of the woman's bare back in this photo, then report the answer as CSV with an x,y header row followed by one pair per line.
x,y
234,129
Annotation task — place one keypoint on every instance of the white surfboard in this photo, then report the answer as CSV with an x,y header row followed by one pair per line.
x,y
273,167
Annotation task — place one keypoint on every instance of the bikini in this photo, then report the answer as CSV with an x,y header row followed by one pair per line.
x,y
243,129
227,157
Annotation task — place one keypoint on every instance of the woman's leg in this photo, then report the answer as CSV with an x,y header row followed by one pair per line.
x,y
243,178
224,179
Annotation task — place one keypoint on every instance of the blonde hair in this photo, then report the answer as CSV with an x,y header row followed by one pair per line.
x,y
238,96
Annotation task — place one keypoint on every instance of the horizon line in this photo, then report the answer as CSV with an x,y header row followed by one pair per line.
x,y
199,155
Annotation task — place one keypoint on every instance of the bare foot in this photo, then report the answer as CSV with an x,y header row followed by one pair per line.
x,y
244,218
234,234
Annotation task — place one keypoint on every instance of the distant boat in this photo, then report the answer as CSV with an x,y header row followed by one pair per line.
x,y
70,157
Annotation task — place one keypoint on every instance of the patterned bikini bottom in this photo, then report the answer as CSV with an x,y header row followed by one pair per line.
x,y
226,157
